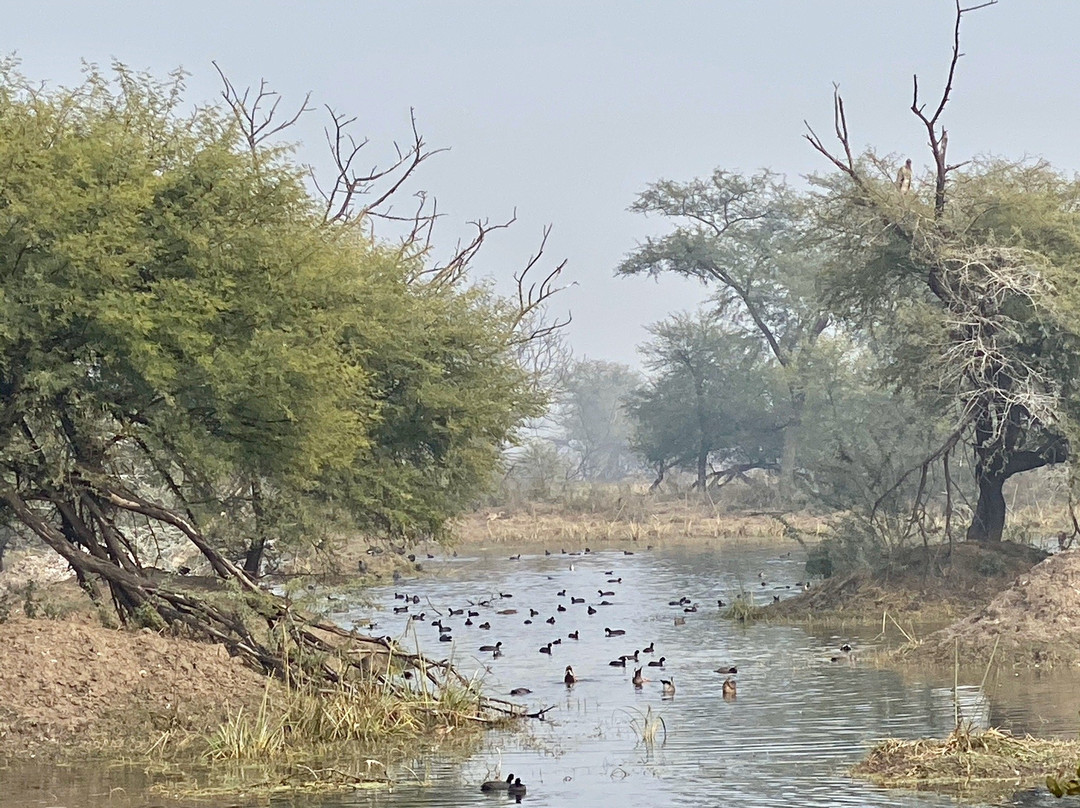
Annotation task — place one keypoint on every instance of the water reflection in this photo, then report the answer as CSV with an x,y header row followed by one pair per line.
x,y
799,719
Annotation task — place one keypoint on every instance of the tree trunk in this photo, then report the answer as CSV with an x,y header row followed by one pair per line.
x,y
254,556
787,461
988,522
660,470
790,451
702,468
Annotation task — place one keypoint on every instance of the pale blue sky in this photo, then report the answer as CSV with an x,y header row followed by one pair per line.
x,y
565,110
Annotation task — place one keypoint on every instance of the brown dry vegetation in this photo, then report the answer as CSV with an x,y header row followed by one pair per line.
x,y
986,763
1035,622
922,584
628,520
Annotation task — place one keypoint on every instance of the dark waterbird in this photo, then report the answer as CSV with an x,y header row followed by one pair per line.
x,y
614,632
569,678
494,647
498,785
516,788
729,689
731,669
658,663
520,691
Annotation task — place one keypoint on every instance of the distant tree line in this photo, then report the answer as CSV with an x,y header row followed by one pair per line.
x,y
892,343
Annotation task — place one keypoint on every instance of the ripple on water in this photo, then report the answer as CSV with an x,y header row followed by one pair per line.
x,y
798,723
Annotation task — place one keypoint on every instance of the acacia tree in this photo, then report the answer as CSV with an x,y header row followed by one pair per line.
x,y
593,424
745,237
193,346
959,277
708,405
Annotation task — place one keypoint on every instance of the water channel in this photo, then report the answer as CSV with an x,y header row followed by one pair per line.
x,y
799,720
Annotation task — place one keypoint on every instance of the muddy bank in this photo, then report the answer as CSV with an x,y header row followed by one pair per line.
x,y
921,585
1034,622
75,688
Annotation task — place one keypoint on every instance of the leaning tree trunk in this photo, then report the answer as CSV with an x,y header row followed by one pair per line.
x,y
988,521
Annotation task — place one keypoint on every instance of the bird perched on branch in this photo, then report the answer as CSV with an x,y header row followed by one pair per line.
x,y
903,177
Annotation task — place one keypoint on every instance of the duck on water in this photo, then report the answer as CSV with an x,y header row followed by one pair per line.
x,y
499,785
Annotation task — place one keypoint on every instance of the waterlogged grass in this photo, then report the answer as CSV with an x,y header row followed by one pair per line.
x,y
367,714
358,734
982,763
743,610
650,728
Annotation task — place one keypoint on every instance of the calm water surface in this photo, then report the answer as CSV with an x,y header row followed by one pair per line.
x,y
799,721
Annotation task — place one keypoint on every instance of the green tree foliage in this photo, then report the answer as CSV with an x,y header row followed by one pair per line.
x,y
747,238
709,404
593,423
188,340
964,278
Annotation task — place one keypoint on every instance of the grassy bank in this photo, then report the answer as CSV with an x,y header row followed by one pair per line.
x,y
983,764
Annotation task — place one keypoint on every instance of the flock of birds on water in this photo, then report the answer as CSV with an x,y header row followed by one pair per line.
x,y
477,615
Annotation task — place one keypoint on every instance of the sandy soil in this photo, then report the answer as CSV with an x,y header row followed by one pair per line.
x,y
1035,622
73,687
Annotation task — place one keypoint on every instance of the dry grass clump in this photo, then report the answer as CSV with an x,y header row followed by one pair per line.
x,y
634,520
369,715
972,762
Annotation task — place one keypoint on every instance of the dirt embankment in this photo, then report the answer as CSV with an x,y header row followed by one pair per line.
x,y
73,687
1035,622
920,585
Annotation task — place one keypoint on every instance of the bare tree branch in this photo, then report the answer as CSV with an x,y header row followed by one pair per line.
x,y
257,122
939,142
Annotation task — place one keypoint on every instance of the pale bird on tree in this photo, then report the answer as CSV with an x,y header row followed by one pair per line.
x,y
903,177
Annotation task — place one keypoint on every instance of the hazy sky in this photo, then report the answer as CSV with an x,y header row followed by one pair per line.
x,y
565,110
